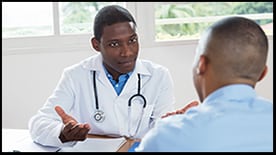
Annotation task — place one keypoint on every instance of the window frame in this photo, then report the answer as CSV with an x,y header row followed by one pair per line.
x,y
142,11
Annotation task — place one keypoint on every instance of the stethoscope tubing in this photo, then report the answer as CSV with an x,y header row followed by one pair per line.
x,y
138,94
95,90
99,115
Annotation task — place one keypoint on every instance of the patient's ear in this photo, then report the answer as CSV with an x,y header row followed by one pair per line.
x,y
263,73
95,43
202,65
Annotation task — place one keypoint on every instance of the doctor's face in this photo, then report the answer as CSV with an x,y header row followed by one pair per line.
x,y
119,47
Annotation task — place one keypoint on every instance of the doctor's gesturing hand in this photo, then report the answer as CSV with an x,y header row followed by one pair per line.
x,y
182,110
72,131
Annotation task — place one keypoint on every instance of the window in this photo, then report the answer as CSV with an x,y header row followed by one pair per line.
x,y
33,27
39,27
78,17
27,19
188,20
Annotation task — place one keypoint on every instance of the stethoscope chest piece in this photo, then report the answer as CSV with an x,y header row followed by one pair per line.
x,y
136,99
99,116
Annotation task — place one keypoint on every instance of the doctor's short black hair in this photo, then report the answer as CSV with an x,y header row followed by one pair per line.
x,y
109,15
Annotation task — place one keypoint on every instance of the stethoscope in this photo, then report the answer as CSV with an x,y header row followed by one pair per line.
x,y
99,114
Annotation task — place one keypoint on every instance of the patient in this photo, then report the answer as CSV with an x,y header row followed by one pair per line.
x,y
230,59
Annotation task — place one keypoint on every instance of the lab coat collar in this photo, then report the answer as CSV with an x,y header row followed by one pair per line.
x,y
93,63
140,68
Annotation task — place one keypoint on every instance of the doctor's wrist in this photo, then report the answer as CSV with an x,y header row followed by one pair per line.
x,y
62,138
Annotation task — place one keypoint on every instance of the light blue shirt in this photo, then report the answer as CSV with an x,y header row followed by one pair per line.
x,y
231,119
118,86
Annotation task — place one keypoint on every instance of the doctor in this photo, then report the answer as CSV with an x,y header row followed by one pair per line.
x,y
111,93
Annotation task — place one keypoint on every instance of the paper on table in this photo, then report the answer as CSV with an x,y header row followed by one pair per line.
x,y
96,145
27,145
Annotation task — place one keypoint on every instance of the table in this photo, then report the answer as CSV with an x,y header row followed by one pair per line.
x,y
14,140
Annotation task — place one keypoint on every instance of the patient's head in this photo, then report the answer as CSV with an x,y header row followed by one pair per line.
x,y
232,50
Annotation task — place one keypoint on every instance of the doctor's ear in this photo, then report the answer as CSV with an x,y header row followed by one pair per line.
x,y
95,43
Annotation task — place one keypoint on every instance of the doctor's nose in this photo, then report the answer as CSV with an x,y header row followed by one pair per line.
x,y
125,50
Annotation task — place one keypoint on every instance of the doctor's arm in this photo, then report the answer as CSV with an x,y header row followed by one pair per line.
x,y
45,127
72,131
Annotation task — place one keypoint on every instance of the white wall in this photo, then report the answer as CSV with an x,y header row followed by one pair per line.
x,y
28,79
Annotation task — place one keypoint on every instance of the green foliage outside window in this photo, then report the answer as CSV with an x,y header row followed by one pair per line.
x,y
78,16
207,9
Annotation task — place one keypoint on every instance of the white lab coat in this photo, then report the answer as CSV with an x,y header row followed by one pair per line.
x,y
75,94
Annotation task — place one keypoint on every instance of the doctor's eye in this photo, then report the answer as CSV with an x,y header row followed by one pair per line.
x,y
114,44
133,40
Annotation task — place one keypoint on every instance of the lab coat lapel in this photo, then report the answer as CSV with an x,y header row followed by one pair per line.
x,y
144,73
131,86
95,64
103,80
101,76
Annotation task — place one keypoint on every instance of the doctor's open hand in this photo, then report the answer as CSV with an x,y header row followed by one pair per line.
x,y
182,110
72,131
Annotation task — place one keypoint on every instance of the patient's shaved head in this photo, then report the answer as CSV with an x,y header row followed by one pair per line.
x,y
236,48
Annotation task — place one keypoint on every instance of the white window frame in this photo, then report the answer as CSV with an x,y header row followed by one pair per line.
x,y
142,11
146,26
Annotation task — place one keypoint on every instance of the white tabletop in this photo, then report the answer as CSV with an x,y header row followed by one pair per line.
x,y
20,140
14,140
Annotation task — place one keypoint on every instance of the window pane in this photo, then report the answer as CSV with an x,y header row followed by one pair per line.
x,y
187,21
22,19
78,17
